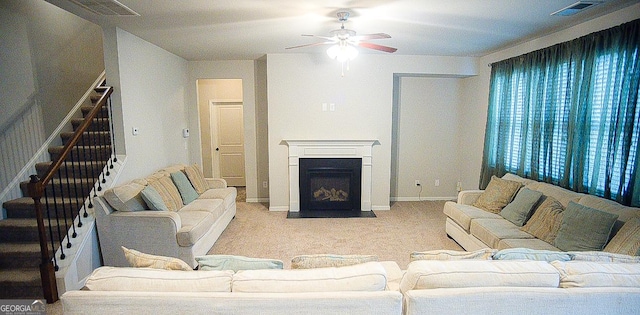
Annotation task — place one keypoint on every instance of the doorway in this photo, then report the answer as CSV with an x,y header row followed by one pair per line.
x,y
222,129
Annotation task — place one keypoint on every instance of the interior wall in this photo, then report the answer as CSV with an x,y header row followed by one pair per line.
x,y
153,93
475,98
52,55
298,84
230,69
427,138
262,132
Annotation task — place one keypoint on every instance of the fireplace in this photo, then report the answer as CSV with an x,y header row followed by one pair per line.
x,y
330,149
330,184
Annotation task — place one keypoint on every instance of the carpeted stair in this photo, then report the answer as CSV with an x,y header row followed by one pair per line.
x,y
19,245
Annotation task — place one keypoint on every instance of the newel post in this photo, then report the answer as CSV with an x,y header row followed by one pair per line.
x,y
47,270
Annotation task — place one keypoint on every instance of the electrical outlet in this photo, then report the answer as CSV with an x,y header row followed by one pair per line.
x,y
265,184
417,182
437,183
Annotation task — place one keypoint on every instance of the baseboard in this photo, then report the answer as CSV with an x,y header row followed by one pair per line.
x,y
278,208
380,208
257,200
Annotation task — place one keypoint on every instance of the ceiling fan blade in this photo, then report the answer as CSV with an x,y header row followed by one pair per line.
x,y
321,37
377,47
371,36
310,45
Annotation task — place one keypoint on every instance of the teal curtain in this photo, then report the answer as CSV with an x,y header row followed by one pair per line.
x,y
568,115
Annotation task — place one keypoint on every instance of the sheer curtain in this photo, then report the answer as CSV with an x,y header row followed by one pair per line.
x,y
568,115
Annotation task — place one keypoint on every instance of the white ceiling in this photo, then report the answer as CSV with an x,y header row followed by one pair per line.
x,y
249,29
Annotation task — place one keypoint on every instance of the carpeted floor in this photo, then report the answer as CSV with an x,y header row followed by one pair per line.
x,y
393,235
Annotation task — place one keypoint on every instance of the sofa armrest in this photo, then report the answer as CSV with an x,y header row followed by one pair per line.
x,y
468,197
216,183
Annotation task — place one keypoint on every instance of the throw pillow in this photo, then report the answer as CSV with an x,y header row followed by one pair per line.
x,y
328,260
497,195
196,177
126,197
482,254
235,263
168,191
545,221
605,257
519,210
187,192
151,196
141,260
627,240
531,254
584,228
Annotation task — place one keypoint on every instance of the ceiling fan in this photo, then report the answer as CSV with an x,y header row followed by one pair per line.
x,y
344,41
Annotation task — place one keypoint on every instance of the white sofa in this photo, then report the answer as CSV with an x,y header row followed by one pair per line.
x,y
360,289
474,228
521,287
124,219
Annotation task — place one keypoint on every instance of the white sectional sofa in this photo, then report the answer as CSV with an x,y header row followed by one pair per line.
x,y
358,289
521,287
124,218
474,228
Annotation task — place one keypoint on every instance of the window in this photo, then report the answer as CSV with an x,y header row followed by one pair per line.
x,y
568,115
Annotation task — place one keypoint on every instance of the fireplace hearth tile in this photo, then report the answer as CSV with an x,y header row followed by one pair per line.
x,y
318,214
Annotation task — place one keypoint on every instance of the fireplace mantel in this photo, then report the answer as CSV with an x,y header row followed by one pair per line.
x,y
300,149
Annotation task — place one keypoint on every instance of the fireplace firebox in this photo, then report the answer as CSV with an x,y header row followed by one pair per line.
x,y
330,184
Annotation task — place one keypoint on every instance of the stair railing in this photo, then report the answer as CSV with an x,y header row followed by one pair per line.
x,y
87,156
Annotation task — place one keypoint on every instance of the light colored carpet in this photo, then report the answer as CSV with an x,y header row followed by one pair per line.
x,y
393,235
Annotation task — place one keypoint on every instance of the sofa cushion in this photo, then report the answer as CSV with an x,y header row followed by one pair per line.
x,y
126,197
580,274
168,191
141,260
627,240
531,254
194,225
520,209
497,195
443,254
157,280
546,220
463,214
329,260
491,231
564,196
187,193
370,276
228,194
584,228
196,177
434,274
214,206
235,263
153,199
532,243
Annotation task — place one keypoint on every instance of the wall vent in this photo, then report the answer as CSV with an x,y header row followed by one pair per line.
x,y
105,7
575,8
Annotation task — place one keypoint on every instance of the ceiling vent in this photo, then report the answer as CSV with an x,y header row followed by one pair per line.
x,y
575,8
105,7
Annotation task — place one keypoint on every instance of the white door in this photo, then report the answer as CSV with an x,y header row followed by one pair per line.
x,y
228,136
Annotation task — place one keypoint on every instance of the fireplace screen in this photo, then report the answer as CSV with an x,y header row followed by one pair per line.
x,y
330,184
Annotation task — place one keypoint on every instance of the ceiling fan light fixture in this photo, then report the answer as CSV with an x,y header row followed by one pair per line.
x,y
342,53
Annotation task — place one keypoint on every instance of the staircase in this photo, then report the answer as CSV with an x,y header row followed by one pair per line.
x,y
67,184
